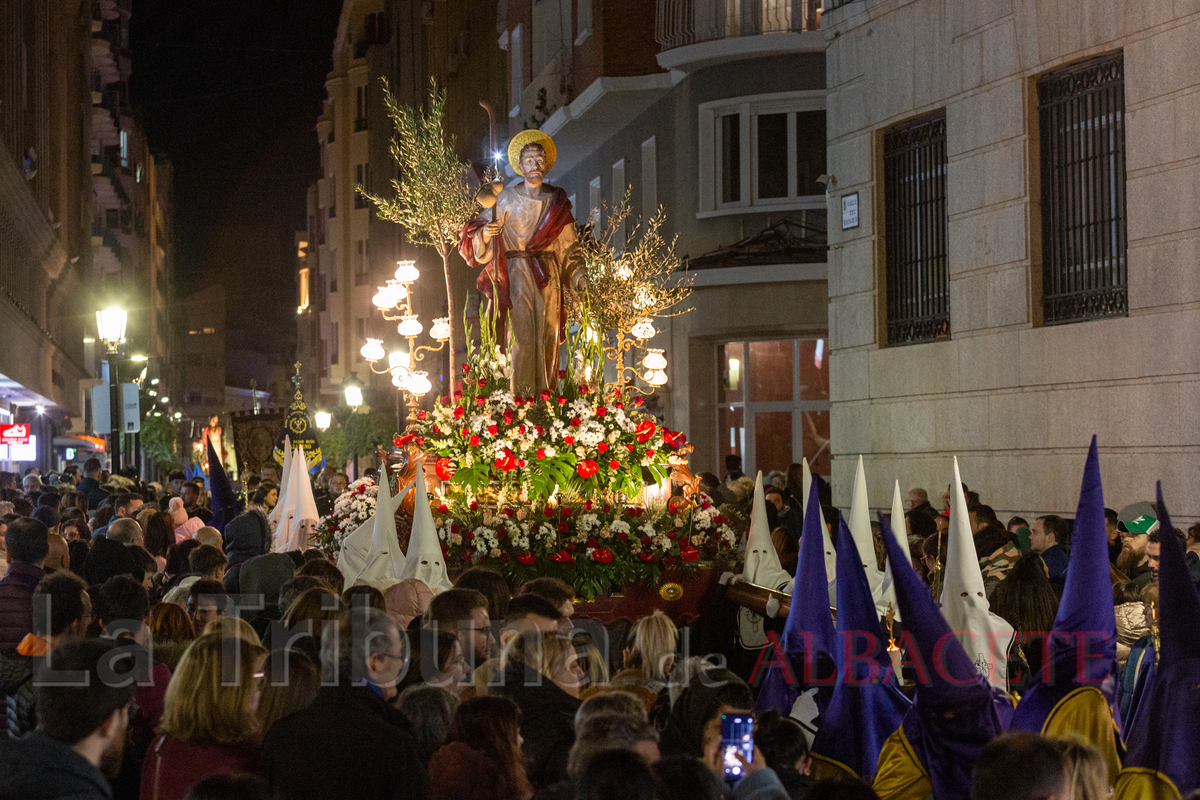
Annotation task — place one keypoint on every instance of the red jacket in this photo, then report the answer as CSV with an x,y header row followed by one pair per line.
x,y
173,766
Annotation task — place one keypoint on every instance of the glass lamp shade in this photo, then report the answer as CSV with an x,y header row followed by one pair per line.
x,y
383,298
110,324
644,330
406,271
397,358
654,360
354,395
655,377
400,377
322,419
419,384
373,350
410,326
441,329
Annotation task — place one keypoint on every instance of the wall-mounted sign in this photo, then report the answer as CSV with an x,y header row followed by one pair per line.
x,y
849,211
14,434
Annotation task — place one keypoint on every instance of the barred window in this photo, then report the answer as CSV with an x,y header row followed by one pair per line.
x,y
1081,114
914,198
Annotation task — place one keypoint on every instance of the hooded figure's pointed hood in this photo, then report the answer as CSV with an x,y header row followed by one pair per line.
x,y
1085,614
424,560
955,712
1165,735
864,540
285,480
762,562
386,561
224,501
983,635
808,642
827,540
299,519
867,705
900,531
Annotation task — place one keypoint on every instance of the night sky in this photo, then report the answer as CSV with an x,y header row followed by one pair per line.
x,y
230,91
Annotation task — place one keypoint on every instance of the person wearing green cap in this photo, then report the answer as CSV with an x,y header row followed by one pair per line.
x,y
1136,522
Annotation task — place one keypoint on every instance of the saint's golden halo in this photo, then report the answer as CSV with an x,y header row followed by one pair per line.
x,y
530,136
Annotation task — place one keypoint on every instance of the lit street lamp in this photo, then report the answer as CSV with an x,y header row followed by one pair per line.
x,y
322,419
110,327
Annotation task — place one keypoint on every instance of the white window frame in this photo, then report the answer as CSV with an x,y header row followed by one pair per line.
x,y
749,108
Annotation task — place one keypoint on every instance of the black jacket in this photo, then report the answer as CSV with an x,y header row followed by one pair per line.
x,y
350,744
90,488
547,722
40,768
16,682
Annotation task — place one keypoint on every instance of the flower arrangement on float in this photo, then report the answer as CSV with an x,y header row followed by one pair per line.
x,y
351,509
572,483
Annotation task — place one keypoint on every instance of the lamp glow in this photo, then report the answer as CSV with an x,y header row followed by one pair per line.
x,y
354,395
178,415
654,361
139,358
373,350
397,358
655,377
110,325
400,377
419,384
322,420
406,271
383,298
441,329
410,326
644,330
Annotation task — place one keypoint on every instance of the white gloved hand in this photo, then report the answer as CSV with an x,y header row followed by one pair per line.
x,y
773,607
725,577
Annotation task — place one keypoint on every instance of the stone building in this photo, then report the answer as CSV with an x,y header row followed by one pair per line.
x,y
1013,247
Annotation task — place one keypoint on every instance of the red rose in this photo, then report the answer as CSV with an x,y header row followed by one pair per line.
x,y
562,401
548,511
572,548
672,534
719,519
607,508
591,542
522,429
566,512
474,441
501,534
459,413
466,555
645,430
527,558
574,422
482,383
563,527
474,506
618,406
647,557
437,429
637,401
521,463
420,441
587,469
421,414
602,447
458,391
614,464
508,416
492,429
508,512
601,411
541,452
562,373
602,556
465,433
481,401
443,509
446,400
545,395
583,388
622,536
455,529
629,447
649,453
466,368
587,505
568,440
537,429
517,401
645,541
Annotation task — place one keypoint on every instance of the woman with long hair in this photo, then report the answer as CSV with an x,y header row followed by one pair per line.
x,y
159,533
290,684
1027,601
209,724
650,650
309,612
482,758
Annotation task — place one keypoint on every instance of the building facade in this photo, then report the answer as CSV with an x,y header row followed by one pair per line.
x,y
714,113
1014,264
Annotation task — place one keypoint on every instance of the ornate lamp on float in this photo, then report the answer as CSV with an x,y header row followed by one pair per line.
x,y
394,301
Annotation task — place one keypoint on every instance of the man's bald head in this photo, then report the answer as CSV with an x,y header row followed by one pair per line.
x,y
125,530
59,557
917,497
209,535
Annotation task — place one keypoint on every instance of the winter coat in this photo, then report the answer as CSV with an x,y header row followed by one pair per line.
x,y
91,489
16,682
350,744
247,535
460,772
40,768
16,603
547,722
173,766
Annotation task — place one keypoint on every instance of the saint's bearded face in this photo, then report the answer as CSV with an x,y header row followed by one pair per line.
x,y
533,165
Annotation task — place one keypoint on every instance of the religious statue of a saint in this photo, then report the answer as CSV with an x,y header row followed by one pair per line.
x,y
212,433
529,253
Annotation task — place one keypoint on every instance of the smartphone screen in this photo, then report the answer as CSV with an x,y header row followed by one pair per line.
x,y
737,736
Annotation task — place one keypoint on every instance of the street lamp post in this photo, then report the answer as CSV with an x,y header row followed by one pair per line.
x,y
110,325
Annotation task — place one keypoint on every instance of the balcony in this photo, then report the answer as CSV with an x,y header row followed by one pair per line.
x,y
700,33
